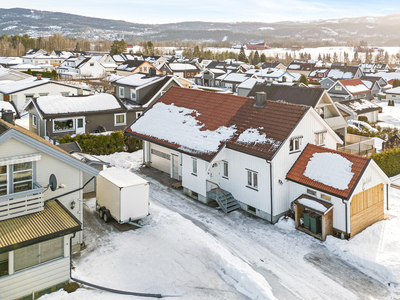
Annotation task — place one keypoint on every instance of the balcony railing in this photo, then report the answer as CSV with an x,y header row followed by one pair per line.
x,y
22,203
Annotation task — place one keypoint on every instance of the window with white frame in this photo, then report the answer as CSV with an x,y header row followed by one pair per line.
x,y
63,125
320,138
225,169
138,114
3,180
120,119
133,94
252,179
121,91
194,166
338,88
38,253
34,121
22,177
295,143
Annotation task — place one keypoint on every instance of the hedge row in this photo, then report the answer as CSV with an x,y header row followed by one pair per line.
x,y
388,161
104,144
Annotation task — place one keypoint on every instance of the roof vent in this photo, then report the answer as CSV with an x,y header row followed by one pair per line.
x,y
261,99
152,72
7,115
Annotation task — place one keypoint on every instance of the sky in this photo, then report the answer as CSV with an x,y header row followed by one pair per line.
x,y
172,11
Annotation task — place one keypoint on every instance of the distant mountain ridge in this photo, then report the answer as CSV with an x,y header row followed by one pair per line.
x,y
377,31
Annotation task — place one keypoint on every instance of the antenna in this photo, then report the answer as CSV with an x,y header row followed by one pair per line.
x,y
53,182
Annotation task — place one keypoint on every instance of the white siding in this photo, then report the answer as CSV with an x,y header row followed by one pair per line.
x,y
284,160
71,177
37,278
192,182
238,164
370,178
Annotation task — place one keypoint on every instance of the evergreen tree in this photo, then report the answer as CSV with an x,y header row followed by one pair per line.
x,y
29,72
242,55
117,47
196,51
54,75
251,57
263,57
303,79
256,58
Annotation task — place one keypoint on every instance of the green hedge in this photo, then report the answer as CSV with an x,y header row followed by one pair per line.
x,y
388,161
104,144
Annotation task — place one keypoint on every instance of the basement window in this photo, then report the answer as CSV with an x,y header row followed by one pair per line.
x,y
251,209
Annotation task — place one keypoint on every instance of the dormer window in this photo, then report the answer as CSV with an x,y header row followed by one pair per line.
x,y
133,94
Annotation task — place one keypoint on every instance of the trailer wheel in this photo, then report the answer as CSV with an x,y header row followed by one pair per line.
x,y
101,212
107,216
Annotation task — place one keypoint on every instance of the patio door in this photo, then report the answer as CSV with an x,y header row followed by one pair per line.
x,y
80,125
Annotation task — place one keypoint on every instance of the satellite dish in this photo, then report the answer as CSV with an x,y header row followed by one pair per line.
x,y
53,182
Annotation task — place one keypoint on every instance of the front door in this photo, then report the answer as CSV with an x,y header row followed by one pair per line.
x,y
214,172
80,125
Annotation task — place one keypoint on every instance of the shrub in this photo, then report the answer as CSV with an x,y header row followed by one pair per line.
x,y
388,161
104,144
362,118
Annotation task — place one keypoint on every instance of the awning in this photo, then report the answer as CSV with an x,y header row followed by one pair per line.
x,y
313,204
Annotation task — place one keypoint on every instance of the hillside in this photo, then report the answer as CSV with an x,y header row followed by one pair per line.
x,y
379,31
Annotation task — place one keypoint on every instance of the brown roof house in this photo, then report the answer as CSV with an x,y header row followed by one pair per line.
x,y
335,192
231,149
40,213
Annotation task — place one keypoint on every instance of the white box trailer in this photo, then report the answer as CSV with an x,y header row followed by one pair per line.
x,y
122,195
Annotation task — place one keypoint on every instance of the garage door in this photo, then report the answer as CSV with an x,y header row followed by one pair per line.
x,y
160,158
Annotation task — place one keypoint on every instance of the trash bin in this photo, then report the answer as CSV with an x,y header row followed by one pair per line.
x,y
306,219
315,223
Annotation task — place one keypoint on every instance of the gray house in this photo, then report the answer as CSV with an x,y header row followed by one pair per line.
x,y
52,117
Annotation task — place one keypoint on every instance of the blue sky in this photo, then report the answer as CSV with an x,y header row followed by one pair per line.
x,y
171,11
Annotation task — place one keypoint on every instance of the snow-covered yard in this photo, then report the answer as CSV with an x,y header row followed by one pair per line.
x,y
194,251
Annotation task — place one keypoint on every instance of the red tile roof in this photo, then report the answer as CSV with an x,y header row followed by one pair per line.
x,y
275,119
354,82
296,173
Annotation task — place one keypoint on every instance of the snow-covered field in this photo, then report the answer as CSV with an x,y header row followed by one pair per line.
x,y
194,251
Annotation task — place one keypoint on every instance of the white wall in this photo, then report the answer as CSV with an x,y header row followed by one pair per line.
x,y
192,182
36,278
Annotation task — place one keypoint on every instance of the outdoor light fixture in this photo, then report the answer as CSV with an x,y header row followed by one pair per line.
x,y
73,204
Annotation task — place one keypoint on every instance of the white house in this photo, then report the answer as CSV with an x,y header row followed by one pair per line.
x,y
225,146
20,92
393,94
41,213
77,67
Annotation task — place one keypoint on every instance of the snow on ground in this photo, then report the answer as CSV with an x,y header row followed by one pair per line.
x,y
192,250
390,114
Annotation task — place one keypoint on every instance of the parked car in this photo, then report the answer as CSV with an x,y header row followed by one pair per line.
x,y
361,125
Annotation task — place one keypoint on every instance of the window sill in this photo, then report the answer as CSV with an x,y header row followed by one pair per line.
x,y
296,151
252,188
120,124
194,174
227,178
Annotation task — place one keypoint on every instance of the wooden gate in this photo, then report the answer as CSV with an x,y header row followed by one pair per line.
x,y
366,208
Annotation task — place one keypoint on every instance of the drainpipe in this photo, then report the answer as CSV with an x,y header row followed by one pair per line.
x,y
387,196
270,182
345,203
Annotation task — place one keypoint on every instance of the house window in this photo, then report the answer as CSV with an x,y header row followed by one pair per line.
x,y
311,192
338,88
38,253
119,119
121,91
145,69
295,143
63,125
34,121
29,97
65,94
79,123
326,197
92,64
252,179
3,180
194,166
22,177
320,138
225,171
133,94
3,264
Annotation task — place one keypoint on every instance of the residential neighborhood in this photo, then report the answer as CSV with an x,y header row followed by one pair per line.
x,y
245,169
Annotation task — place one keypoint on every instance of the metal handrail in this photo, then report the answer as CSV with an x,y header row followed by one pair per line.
x,y
221,190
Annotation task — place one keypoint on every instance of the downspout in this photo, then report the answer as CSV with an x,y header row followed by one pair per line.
x,y
270,183
387,196
345,203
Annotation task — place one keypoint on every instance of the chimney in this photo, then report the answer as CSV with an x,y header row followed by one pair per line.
x,y
261,100
8,116
80,92
38,76
152,72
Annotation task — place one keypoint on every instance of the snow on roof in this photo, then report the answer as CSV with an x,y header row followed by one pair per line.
x,y
22,84
6,106
178,125
249,83
62,105
136,80
29,66
362,104
236,77
355,89
294,67
122,177
182,67
339,74
395,90
312,204
253,136
339,175
367,83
